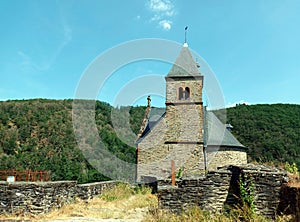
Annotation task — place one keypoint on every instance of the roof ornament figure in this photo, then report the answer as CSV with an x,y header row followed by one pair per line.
x,y
185,42
149,101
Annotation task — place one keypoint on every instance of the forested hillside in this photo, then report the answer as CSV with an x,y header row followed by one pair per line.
x,y
38,134
272,132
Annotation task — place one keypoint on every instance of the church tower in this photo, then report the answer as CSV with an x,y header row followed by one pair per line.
x,y
184,113
175,140
177,136
184,107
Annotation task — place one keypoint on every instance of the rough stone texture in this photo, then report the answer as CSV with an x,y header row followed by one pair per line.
x,y
90,190
210,192
184,123
156,161
267,183
34,197
195,85
177,136
220,188
40,197
225,156
152,150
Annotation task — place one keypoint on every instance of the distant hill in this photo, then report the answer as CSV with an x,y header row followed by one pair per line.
x,y
38,134
272,132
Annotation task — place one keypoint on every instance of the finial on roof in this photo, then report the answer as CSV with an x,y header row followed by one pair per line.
x,y
149,101
185,31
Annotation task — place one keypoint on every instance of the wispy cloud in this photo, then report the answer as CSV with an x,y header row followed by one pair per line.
x,y
67,31
165,24
26,62
29,64
162,12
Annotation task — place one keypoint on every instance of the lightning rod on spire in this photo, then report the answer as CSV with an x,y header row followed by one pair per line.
x,y
185,31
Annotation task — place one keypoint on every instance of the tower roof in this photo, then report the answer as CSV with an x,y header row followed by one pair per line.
x,y
185,65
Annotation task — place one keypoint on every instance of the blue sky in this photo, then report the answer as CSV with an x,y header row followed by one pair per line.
x,y
253,47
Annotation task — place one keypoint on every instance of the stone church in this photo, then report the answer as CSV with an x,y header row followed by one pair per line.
x,y
185,134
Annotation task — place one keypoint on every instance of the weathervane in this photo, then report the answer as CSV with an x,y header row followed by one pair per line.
x,y
185,30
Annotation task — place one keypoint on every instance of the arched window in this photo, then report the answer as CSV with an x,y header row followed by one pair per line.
x,y
187,93
180,93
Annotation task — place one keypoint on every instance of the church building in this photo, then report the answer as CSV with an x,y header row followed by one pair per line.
x,y
185,133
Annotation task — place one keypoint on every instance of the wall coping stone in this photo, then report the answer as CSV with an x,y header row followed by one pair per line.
x,y
38,182
96,183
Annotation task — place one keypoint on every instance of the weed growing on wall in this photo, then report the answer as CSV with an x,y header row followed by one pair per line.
x,y
246,186
180,172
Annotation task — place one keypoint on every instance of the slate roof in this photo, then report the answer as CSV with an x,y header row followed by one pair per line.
x,y
155,115
185,65
216,133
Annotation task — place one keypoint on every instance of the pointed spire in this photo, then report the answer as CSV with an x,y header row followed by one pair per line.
x,y
184,65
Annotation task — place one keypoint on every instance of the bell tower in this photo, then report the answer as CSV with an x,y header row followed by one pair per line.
x,y
175,141
184,114
184,107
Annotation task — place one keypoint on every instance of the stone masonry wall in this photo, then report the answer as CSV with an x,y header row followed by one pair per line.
x,y
225,156
195,85
156,162
184,123
220,188
150,150
154,156
209,193
267,183
90,190
41,197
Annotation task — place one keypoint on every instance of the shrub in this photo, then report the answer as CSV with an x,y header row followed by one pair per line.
x,y
291,168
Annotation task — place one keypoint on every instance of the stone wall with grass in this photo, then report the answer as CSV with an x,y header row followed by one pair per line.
x,y
228,186
41,197
90,190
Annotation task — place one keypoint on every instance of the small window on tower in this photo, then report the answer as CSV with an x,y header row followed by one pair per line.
x,y
187,93
180,94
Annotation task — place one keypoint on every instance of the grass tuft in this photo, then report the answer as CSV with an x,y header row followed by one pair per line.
x,y
238,214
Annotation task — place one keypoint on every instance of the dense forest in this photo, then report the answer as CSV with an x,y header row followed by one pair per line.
x,y
271,132
38,134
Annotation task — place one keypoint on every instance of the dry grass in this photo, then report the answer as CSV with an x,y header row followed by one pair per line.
x,y
294,180
196,214
122,202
